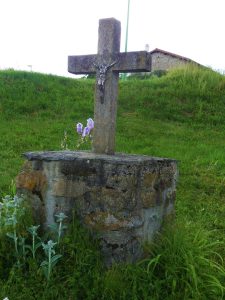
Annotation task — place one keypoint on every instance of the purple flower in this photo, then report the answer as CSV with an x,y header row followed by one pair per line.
x,y
86,131
90,123
79,128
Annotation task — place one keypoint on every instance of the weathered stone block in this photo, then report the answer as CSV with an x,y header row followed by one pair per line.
x,y
150,198
150,179
123,199
31,179
68,188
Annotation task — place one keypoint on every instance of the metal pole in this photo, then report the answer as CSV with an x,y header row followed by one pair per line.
x,y
128,15
127,29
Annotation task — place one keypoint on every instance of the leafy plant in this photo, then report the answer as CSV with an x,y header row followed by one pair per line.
x,y
11,210
59,219
64,142
59,227
52,258
11,213
35,245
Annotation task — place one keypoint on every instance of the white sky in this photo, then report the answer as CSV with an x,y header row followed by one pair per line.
x,y
42,33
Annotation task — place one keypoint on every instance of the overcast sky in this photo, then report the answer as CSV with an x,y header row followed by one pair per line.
x,y
42,33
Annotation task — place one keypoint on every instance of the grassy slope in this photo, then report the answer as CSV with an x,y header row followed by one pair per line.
x,y
180,115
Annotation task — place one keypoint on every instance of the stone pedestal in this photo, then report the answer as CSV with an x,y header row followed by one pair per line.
x,y
122,198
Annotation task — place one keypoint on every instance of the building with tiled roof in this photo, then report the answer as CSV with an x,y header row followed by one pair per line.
x,y
164,60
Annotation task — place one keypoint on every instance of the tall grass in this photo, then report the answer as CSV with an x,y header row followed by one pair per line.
x,y
182,264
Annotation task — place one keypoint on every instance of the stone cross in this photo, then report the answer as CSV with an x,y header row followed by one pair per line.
x,y
106,65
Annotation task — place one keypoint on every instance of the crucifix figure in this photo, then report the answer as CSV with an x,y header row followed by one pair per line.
x,y
106,65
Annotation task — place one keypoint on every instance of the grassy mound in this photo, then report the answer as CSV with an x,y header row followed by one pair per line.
x,y
179,115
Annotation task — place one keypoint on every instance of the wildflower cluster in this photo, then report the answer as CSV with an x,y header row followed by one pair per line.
x,y
85,132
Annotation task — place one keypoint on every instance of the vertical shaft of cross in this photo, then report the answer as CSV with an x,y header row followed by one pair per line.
x,y
106,99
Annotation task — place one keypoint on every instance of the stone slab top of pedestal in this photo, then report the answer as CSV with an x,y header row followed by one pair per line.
x,y
77,155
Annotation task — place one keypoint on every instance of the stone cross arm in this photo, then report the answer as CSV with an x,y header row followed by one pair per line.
x,y
138,61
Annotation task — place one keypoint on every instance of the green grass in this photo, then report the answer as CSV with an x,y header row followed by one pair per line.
x,y
180,115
